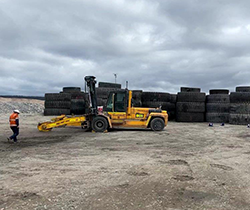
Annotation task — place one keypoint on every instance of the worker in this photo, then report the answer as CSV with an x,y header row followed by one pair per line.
x,y
14,125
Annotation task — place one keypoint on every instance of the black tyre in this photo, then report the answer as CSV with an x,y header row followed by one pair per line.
x,y
190,117
190,107
217,117
173,98
191,97
218,98
155,96
99,124
218,107
101,102
79,95
104,92
157,124
55,112
190,89
136,95
239,119
218,91
57,104
164,105
240,97
71,89
57,97
109,85
136,103
243,89
171,115
240,108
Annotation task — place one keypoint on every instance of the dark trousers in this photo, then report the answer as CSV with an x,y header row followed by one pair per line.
x,y
15,130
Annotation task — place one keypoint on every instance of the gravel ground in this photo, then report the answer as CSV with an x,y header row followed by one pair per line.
x,y
185,167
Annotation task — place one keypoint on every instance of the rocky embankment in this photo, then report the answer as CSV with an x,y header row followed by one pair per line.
x,y
28,106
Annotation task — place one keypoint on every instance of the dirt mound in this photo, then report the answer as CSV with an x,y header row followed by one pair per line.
x,y
29,106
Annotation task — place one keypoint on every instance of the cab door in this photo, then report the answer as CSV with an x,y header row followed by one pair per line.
x,y
117,108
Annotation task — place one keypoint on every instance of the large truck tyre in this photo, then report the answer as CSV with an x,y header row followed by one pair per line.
x,y
71,89
57,97
190,89
57,104
243,89
218,107
191,97
239,119
218,98
190,106
56,112
157,124
240,97
218,91
99,124
155,96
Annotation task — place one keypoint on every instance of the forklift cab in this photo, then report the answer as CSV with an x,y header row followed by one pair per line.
x,y
117,101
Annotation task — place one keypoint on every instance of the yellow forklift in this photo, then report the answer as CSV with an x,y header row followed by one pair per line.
x,y
119,113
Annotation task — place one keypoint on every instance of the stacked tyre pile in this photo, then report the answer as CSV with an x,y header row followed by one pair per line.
x,y
70,101
172,112
157,100
240,106
136,98
78,100
190,105
217,106
103,90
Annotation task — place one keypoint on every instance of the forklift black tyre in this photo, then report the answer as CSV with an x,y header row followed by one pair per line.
x,y
157,124
99,124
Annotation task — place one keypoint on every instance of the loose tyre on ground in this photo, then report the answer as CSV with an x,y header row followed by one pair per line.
x,y
239,119
190,117
99,124
217,117
157,124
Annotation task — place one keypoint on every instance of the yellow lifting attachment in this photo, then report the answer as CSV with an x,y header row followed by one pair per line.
x,y
62,121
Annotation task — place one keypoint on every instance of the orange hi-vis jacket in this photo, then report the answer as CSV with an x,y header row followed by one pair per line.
x,y
14,120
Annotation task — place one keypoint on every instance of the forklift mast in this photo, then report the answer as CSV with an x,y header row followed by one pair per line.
x,y
90,80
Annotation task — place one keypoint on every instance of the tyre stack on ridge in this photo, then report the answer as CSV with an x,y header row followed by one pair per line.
x,y
240,106
156,100
217,106
190,105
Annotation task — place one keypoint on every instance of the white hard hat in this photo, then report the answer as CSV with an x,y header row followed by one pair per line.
x,y
17,111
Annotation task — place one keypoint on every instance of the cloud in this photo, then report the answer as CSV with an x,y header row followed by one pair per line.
x,y
155,45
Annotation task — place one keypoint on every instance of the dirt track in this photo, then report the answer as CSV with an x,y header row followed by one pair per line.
x,y
187,166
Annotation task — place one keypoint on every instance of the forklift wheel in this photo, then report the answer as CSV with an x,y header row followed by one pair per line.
x,y
157,124
99,124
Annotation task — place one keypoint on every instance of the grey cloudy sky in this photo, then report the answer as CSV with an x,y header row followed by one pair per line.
x,y
157,45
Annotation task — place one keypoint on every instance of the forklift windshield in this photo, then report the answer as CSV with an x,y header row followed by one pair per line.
x,y
117,102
